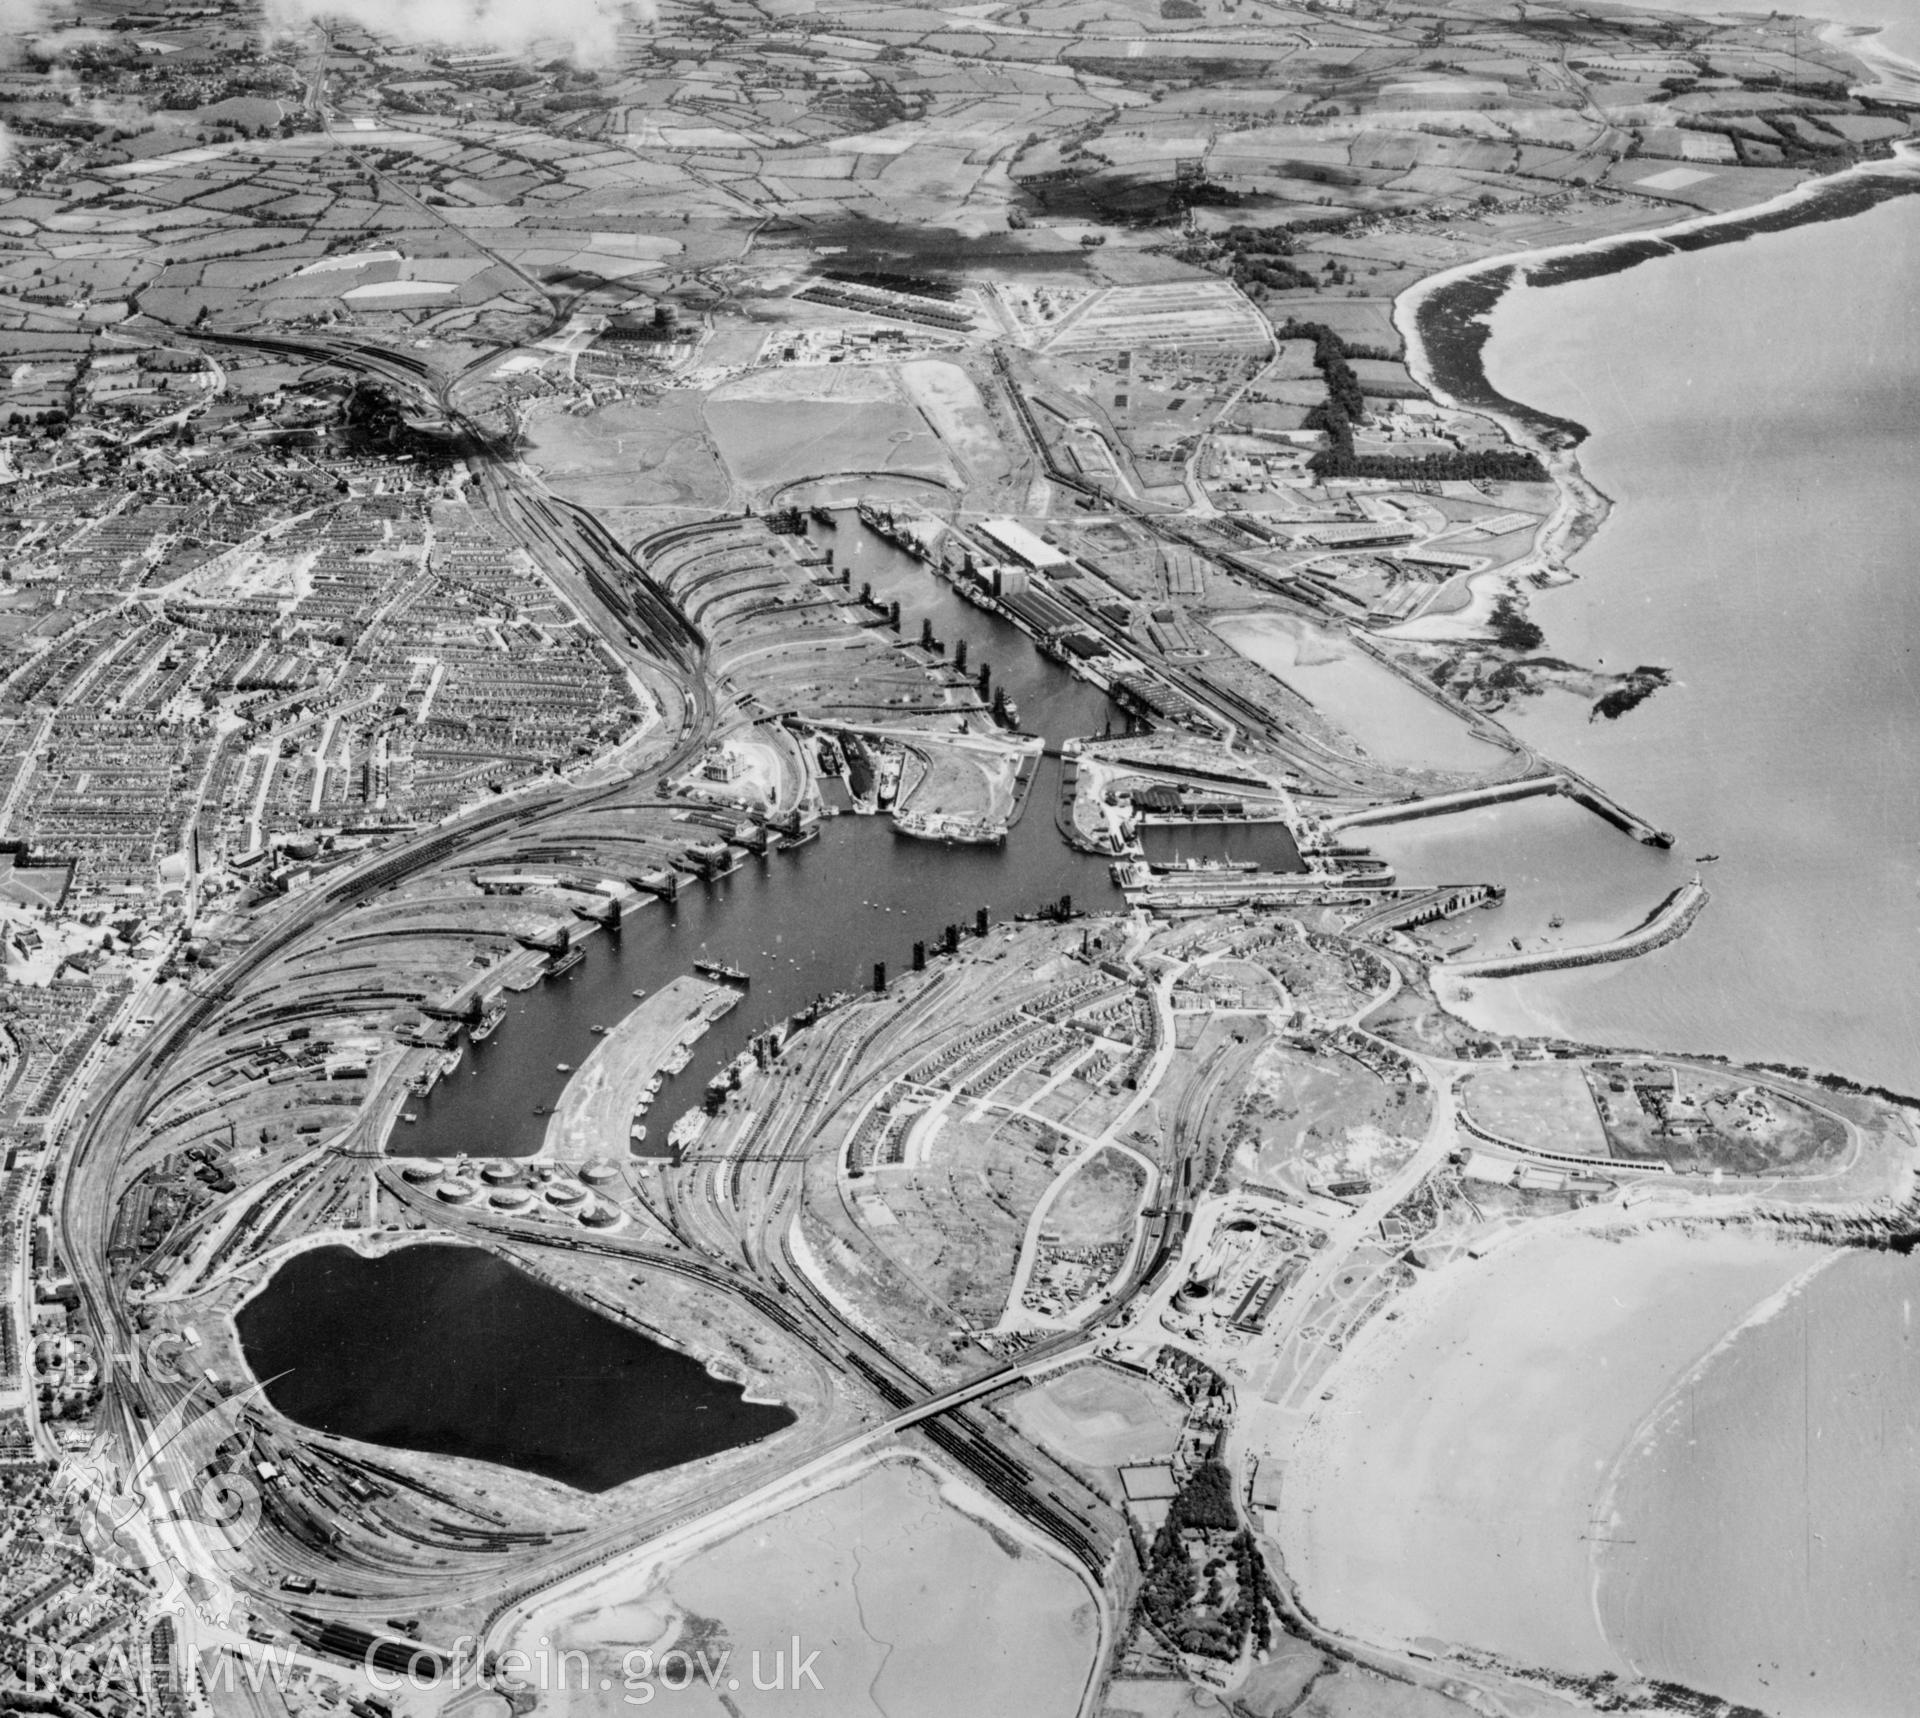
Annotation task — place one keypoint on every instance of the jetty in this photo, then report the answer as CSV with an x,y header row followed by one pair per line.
x,y
595,1115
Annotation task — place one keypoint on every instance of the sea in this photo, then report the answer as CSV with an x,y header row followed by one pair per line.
x,y
1755,417
1761,1533
1894,25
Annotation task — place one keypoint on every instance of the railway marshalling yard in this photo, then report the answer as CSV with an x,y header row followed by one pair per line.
x,y
1118,1190
436,488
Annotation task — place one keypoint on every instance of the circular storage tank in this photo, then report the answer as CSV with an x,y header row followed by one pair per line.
x,y
1193,1293
509,1198
455,1192
600,1172
501,1174
420,1173
598,1216
565,1193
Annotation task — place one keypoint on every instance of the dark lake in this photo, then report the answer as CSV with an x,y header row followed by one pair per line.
x,y
451,1350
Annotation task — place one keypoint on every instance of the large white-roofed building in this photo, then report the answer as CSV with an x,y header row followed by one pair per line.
x,y
1022,545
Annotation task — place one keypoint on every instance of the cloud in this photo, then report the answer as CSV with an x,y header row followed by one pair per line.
x,y
20,22
54,43
585,30
27,27
122,115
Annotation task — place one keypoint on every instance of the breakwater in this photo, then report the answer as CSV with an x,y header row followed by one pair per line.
x,y
1740,459
1668,921
1565,782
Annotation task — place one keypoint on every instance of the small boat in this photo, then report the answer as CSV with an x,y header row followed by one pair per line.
x,y
1705,858
566,962
598,1031
539,1109
408,1117
639,993
1554,923
563,1067
823,516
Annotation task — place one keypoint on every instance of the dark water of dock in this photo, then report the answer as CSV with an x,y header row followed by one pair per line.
x,y
1052,702
1270,846
800,924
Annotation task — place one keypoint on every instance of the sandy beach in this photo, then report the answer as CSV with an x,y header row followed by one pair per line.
x,y
1451,1488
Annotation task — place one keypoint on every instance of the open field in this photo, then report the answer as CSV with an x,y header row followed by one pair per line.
x,y
1544,1105
790,425
945,393
959,1210
607,456
1325,1118
1098,1202
1100,1416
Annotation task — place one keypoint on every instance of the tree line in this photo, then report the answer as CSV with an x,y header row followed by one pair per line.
x,y
1346,404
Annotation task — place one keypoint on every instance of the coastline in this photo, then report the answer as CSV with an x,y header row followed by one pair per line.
x,y
1746,417
1895,77
1410,1467
1810,1410
1445,320
1347,1464
1659,1421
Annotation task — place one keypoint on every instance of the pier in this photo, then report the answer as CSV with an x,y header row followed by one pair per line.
x,y
1574,787
595,1117
1216,892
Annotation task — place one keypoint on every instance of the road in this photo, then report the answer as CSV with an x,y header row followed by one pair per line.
x,y
639,624
737,1217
